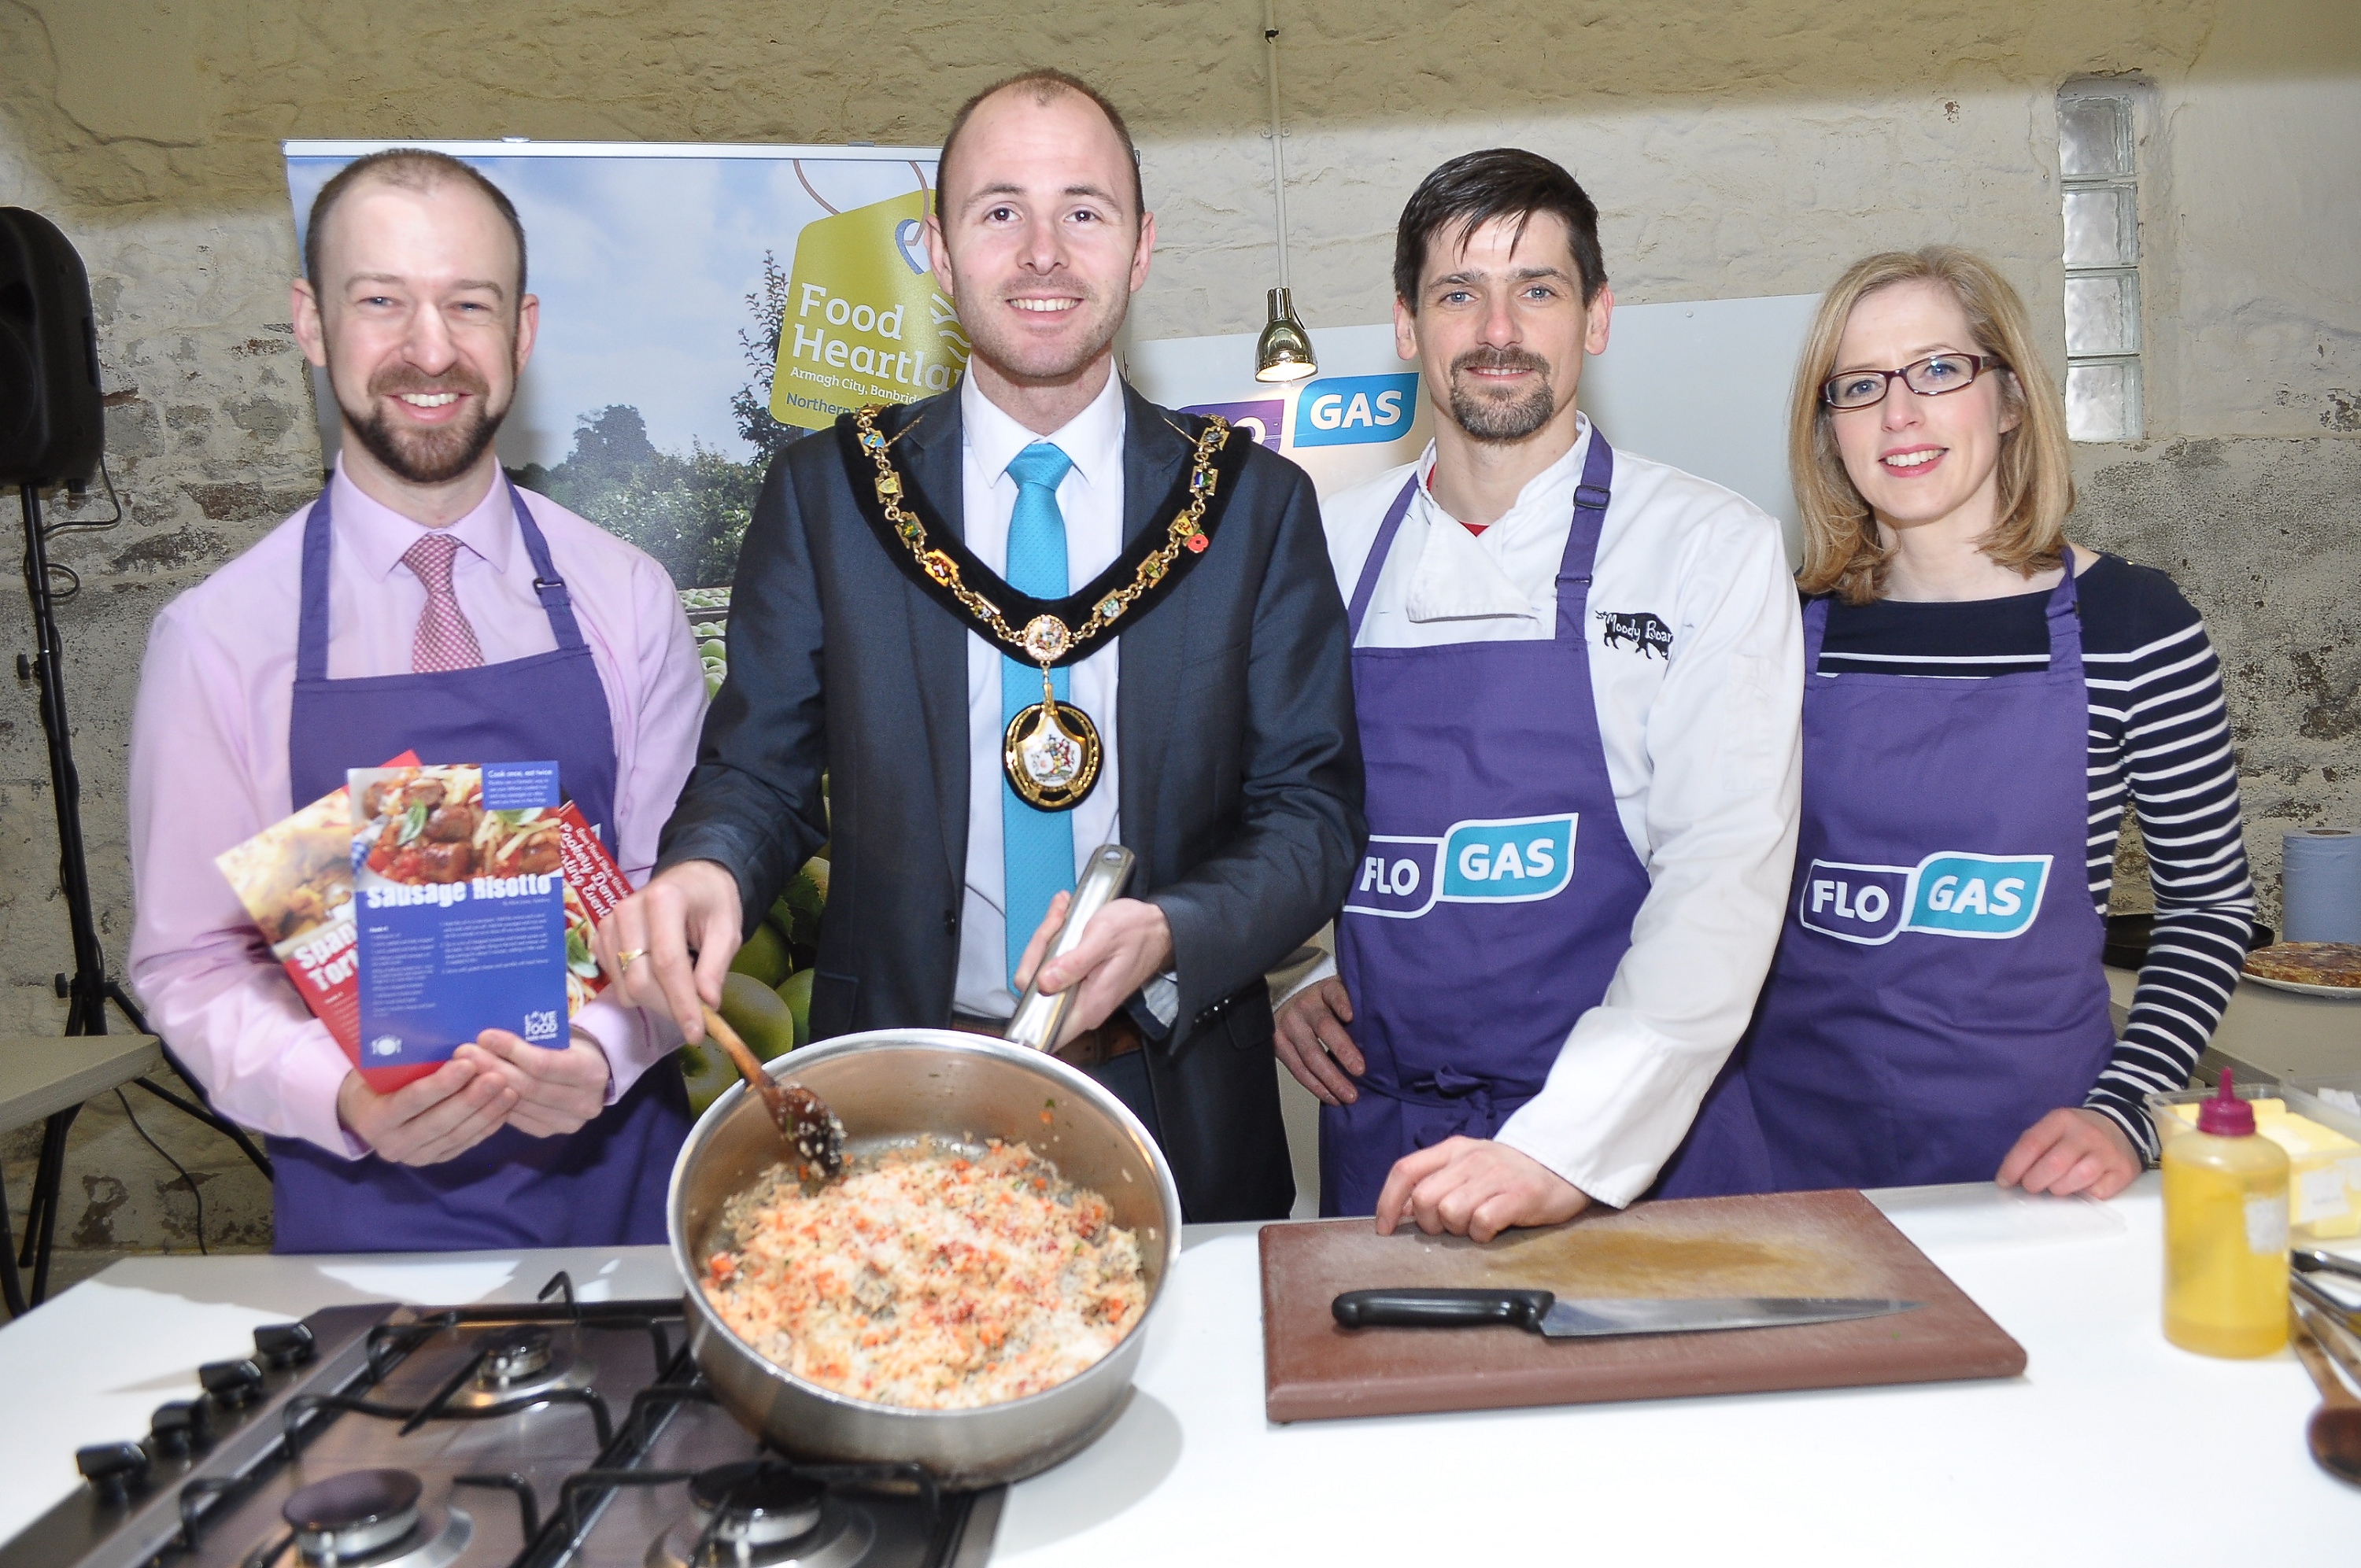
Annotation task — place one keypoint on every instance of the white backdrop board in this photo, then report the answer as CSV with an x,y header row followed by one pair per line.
x,y
1701,385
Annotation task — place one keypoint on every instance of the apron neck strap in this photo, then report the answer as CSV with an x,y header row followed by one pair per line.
x,y
312,620
1375,566
312,626
2065,618
1590,498
546,583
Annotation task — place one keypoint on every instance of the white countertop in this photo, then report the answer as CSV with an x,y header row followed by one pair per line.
x,y
2114,1447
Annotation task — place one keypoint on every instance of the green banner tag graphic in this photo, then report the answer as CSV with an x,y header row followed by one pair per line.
x,y
864,323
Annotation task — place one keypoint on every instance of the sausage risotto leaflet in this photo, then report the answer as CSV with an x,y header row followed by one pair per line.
x,y
936,1275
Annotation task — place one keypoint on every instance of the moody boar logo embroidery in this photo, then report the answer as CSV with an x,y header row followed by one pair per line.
x,y
1643,632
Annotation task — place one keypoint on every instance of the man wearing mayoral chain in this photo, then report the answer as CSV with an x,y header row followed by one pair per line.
x,y
1013,622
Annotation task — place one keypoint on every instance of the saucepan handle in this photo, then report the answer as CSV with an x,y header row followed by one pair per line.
x,y
1408,1308
1038,1018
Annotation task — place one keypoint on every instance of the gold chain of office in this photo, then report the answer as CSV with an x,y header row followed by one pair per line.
x,y
1046,638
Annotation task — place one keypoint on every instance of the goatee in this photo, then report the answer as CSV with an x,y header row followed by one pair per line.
x,y
429,457
1494,419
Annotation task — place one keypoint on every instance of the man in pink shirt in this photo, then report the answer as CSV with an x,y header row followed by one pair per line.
x,y
424,604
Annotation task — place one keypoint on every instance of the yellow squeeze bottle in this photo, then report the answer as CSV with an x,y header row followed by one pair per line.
x,y
2226,1234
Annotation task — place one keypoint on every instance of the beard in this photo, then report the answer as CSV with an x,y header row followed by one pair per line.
x,y
1489,418
431,456
1000,345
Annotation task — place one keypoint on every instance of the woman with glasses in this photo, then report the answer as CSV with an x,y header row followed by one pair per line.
x,y
1981,701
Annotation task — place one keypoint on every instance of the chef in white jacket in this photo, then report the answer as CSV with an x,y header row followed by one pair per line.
x,y
1578,674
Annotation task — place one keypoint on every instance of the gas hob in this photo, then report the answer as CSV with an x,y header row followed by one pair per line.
x,y
561,1435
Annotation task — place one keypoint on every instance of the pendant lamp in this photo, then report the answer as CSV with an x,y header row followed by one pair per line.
x,y
1284,353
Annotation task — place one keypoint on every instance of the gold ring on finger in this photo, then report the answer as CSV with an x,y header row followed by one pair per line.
x,y
623,959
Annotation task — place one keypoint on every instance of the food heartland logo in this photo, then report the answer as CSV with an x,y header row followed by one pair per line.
x,y
1515,860
1948,893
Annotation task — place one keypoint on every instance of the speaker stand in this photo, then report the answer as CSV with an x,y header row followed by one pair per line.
x,y
88,990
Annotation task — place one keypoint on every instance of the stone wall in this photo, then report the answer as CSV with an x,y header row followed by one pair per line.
x,y
1736,146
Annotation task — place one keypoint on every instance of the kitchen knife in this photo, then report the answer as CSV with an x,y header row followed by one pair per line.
x,y
1543,1312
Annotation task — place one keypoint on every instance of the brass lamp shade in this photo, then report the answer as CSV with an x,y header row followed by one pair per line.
x,y
1284,352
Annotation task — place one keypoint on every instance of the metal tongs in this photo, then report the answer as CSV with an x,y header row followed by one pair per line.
x,y
1038,1018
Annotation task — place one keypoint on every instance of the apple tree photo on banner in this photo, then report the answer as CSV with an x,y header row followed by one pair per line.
x,y
700,308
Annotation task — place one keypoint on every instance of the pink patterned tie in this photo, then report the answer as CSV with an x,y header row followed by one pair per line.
x,y
444,639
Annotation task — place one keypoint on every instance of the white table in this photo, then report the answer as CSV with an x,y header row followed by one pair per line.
x,y
2114,1448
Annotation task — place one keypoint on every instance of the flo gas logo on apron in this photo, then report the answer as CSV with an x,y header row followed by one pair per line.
x,y
1516,859
1948,893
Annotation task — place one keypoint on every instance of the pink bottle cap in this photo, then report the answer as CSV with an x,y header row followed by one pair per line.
x,y
2225,1115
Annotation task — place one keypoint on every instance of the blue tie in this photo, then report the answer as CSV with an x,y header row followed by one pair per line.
x,y
1036,847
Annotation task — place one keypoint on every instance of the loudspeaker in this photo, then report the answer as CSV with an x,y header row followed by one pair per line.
x,y
52,429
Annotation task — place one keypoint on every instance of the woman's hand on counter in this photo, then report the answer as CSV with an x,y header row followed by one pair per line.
x,y
1313,1044
1474,1187
443,1114
2071,1150
556,1090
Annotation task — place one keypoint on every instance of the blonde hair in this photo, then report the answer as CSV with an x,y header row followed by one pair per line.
x,y
1843,552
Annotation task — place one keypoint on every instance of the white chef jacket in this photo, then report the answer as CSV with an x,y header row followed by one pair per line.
x,y
1090,499
1702,749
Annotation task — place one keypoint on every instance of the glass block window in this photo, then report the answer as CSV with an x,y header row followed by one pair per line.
x,y
2096,151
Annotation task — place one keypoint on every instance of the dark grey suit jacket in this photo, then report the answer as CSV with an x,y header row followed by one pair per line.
x,y
1241,768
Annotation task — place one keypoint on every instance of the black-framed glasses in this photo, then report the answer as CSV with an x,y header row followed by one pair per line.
x,y
1929,378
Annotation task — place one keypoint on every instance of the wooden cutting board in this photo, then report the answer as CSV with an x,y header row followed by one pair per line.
x,y
1788,1244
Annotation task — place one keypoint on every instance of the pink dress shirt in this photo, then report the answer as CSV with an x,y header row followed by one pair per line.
x,y
209,768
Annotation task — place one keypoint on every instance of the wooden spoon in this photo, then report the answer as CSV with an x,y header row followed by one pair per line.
x,y
2335,1432
803,1118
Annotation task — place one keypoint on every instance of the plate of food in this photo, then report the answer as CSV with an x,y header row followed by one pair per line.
x,y
2312,968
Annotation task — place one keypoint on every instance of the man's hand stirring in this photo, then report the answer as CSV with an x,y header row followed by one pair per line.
x,y
668,946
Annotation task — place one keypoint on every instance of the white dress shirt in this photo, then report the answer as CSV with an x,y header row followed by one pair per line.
x,y
1702,751
1091,501
209,767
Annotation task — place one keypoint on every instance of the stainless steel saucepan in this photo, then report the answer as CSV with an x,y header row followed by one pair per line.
x,y
889,1086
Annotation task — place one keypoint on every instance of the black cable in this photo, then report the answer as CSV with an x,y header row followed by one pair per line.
x,y
125,1102
96,522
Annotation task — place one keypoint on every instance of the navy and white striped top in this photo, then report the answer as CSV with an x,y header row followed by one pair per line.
x,y
2160,741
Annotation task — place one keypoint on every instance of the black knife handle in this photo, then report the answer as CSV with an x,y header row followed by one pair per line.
x,y
1409,1307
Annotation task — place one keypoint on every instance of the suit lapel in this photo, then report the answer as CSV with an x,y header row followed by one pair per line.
x,y
932,453
1150,654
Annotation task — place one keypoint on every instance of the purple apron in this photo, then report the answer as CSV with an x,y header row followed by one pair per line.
x,y
1475,938
604,1185
1938,986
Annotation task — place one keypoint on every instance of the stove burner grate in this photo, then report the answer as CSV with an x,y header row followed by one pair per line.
x,y
366,1518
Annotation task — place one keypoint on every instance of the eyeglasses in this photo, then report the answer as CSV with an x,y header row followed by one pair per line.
x,y
1929,378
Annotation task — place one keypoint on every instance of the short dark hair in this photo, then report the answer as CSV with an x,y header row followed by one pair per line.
x,y
1476,188
412,168
1047,84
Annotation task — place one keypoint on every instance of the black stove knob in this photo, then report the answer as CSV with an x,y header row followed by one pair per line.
x,y
232,1384
179,1427
112,1469
281,1345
